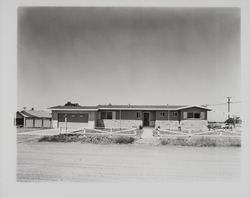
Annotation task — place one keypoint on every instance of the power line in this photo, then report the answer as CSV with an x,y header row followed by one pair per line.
x,y
216,104
223,103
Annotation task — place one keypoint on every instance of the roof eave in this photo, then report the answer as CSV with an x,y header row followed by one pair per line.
x,y
55,109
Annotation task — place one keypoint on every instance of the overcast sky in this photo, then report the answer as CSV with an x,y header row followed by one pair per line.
x,y
128,56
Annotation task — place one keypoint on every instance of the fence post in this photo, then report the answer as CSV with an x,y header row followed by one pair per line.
x,y
158,133
111,131
189,134
84,132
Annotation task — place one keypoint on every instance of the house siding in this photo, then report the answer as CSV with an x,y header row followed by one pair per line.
x,y
193,109
168,115
89,124
129,119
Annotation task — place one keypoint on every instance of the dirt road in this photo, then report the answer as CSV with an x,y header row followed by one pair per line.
x,y
40,161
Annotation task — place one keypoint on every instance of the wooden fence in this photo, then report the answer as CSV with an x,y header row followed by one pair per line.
x,y
111,132
190,134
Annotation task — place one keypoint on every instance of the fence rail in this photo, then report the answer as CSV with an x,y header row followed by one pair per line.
x,y
190,134
128,132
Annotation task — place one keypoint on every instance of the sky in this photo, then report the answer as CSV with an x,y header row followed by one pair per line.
x,y
128,56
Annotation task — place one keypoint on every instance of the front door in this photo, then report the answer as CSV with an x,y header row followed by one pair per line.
x,y
145,119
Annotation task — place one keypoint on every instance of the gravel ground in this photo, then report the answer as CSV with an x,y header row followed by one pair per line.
x,y
46,161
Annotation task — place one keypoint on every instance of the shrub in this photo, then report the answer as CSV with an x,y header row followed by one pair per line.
x,y
94,139
202,141
124,140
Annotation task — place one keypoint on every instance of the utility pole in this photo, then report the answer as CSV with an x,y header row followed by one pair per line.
x,y
228,106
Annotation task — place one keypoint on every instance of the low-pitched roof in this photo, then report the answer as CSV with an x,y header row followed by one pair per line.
x,y
78,107
35,113
127,107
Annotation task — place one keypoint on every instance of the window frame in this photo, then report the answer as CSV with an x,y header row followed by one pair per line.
x,y
174,114
196,114
162,114
104,115
110,114
192,113
138,114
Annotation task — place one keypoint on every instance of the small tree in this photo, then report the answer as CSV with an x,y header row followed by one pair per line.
x,y
230,121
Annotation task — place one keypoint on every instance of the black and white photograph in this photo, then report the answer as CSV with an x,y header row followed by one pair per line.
x,y
128,94
120,94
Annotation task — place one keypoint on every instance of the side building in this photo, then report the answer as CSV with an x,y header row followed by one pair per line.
x,y
33,119
172,117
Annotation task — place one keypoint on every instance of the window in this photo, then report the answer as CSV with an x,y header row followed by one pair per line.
x,y
162,114
106,115
103,115
193,115
174,114
197,115
138,114
190,115
109,115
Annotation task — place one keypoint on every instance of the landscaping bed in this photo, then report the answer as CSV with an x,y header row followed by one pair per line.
x,y
95,139
202,141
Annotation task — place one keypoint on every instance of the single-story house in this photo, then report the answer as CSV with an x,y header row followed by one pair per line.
x,y
33,119
127,116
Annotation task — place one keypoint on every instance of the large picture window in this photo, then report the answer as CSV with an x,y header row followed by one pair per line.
x,y
109,115
197,115
106,115
193,115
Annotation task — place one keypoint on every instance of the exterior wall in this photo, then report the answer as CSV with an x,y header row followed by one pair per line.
x,y
90,124
119,123
46,123
167,124
54,124
194,125
194,109
168,115
128,119
73,125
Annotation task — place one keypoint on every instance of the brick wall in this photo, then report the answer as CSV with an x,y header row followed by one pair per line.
x,y
167,124
119,124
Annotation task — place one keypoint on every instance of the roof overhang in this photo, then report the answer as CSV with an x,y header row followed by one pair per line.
x,y
191,106
73,109
154,109
146,109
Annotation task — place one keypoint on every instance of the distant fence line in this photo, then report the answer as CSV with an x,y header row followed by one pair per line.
x,y
190,133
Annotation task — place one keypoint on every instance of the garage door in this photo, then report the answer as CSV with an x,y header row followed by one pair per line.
x,y
46,123
29,123
73,120
38,123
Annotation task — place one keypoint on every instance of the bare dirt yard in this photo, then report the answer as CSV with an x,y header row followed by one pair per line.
x,y
77,162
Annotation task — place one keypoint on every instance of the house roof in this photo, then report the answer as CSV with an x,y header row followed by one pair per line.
x,y
77,107
35,113
140,107
127,107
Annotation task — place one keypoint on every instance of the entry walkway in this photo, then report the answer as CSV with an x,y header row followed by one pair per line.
x,y
147,132
148,138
